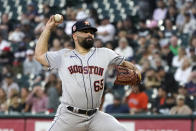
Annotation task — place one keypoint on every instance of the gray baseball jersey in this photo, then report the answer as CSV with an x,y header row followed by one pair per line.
x,y
82,75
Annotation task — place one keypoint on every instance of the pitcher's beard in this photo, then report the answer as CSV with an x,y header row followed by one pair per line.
x,y
87,43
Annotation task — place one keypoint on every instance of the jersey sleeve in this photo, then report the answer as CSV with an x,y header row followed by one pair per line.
x,y
53,58
113,57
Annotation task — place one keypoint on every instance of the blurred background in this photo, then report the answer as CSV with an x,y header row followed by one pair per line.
x,y
159,36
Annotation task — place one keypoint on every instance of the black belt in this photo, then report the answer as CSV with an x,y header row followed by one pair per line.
x,y
80,111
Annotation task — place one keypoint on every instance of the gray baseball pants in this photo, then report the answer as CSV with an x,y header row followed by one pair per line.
x,y
66,120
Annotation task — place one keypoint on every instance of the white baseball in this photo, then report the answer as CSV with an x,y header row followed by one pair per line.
x,y
58,17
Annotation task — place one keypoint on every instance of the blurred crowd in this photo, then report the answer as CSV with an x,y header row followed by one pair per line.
x,y
160,39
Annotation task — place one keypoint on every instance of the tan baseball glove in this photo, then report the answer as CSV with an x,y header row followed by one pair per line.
x,y
127,76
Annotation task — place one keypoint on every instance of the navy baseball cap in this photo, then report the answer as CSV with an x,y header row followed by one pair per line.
x,y
82,25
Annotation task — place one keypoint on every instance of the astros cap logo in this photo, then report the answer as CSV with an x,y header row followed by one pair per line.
x,y
86,23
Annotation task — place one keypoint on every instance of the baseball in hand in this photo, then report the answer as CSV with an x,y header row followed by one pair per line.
x,y
58,17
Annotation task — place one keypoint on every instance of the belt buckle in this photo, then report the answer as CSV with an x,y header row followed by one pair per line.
x,y
75,110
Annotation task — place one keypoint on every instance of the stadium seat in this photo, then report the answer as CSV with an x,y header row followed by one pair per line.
x,y
108,7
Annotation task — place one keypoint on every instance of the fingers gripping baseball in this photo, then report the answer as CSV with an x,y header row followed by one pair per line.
x,y
54,21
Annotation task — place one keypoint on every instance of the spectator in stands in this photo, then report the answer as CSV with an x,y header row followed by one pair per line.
x,y
19,50
178,59
157,61
71,19
155,39
192,56
5,70
144,9
192,46
189,98
9,85
56,45
108,98
41,25
31,12
3,100
128,26
28,30
142,30
17,35
154,57
93,17
168,104
171,3
30,65
172,14
184,70
6,56
15,105
98,43
68,45
191,84
117,106
131,32
109,45
110,77
174,45
150,79
166,54
189,25
151,49
188,4
145,65
81,14
60,34
137,100
52,93
169,30
105,31
180,17
160,100
194,12
3,43
46,11
141,50
24,92
167,80
181,108
121,34
5,25
124,49
160,12
13,92
37,100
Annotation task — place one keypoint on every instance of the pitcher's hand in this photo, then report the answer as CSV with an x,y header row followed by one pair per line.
x,y
52,24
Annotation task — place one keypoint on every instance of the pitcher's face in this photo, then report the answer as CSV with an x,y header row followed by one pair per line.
x,y
85,38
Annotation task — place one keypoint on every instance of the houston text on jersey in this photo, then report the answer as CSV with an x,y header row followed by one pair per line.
x,y
86,70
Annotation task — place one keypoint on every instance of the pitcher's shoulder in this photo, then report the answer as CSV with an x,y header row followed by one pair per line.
x,y
103,49
64,52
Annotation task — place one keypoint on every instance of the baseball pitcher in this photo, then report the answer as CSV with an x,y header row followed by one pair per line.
x,y
82,73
